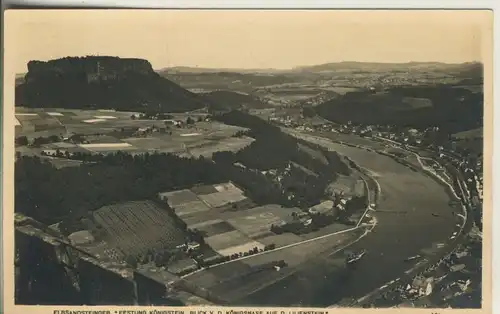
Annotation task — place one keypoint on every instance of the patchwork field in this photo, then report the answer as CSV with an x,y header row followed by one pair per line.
x,y
256,222
213,227
133,228
235,230
186,202
110,131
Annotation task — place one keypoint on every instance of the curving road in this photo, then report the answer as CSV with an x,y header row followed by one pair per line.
x,y
406,225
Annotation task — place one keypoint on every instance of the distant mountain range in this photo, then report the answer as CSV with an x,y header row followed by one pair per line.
x,y
353,65
334,66
186,69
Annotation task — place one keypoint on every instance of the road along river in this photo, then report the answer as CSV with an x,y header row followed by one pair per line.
x,y
414,218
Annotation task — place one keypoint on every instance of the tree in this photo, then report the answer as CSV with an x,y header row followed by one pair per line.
x,y
132,261
308,112
22,141
54,138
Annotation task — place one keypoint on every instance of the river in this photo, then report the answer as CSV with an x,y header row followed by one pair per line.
x,y
413,216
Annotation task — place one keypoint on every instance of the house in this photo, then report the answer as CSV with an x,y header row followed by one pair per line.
x,y
192,246
172,122
49,152
55,153
413,132
423,286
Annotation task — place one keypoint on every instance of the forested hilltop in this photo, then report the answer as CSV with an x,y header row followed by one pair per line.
x,y
101,82
452,108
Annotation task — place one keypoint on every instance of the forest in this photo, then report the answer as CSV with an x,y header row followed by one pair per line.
x,y
453,109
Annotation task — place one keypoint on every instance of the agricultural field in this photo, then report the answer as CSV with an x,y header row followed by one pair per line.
x,y
133,228
108,131
232,144
225,280
235,230
202,199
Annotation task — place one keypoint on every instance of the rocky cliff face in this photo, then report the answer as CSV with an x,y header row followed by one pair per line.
x,y
96,67
102,82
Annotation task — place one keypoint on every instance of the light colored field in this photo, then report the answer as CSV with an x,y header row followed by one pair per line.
x,y
229,186
190,208
103,139
105,145
190,134
227,240
322,207
205,223
281,239
55,114
201,139
241,248
176,198
222,198
256,224
229,144
105,117
64,145
26,114
94,120
148,143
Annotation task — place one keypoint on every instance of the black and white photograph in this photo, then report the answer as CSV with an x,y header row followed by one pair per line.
x,y
249,158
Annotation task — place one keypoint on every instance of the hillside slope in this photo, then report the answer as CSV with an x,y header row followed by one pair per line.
x,y
227,100
101,82
453,109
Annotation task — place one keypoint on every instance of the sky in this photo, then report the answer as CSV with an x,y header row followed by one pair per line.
x,y
247,39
